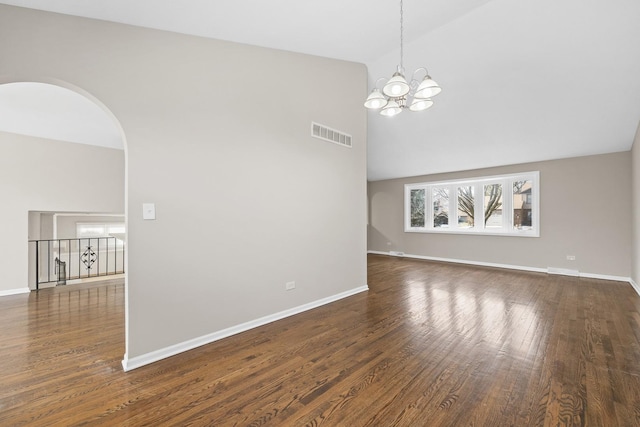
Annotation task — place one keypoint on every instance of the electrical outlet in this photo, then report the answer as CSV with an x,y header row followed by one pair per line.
x,y
290,286
571,257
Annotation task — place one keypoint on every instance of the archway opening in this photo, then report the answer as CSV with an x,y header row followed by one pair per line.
x,y
73,149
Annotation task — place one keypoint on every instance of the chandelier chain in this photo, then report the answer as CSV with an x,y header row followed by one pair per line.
x,y
401,38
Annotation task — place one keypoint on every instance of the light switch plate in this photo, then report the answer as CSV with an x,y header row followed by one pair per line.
x,y
148,211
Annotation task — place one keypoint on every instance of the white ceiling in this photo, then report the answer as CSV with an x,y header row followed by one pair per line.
x,y
49,111
522,80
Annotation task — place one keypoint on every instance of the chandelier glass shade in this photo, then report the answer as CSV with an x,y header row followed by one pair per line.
x,y
391,108
398,93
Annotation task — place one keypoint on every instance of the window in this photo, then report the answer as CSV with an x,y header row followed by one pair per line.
x,y
465,206
498,205
440,207
493,205
417,208
86,230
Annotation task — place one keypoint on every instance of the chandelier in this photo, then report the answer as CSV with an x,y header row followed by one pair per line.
x,y
398,94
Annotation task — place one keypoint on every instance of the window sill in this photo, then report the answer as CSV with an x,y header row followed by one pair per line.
x,y
528,233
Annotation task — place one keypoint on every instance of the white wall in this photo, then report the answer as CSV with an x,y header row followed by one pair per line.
x,y
43,175
218,137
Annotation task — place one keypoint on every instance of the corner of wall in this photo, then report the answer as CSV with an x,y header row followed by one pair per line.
x,y
635,208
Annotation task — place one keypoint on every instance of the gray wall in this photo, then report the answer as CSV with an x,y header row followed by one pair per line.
x,y
34,225
42,175
585,211
47,219
218,137
635,228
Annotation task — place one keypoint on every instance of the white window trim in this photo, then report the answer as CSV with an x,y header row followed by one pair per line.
x,y
479,227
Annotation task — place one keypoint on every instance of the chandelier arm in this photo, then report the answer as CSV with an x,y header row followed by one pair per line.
x,y
378,81
414,82
426,73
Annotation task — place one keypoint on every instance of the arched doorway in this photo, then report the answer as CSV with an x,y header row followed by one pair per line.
x,y
67,155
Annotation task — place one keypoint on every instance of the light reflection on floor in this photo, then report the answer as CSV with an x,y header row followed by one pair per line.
x,y
470,311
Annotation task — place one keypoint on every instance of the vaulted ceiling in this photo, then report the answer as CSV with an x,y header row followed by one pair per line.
x,y
522,81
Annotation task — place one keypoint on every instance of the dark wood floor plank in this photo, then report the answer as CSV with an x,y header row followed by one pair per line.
x,y
429,344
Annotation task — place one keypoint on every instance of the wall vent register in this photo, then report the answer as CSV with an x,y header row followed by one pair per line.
x,y
328,134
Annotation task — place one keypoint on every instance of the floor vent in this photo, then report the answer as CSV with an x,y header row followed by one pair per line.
x,y
563,271
326,133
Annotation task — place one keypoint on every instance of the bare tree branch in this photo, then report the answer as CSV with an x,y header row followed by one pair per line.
x,y
417,208
465,202
494,192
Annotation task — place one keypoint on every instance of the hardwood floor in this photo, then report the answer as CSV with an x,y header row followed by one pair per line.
x,y
431,344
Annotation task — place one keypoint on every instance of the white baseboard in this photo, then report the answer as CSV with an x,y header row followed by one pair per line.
x,y
463,261
635,286
135,362
549,270
14,292
605,277
379,253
